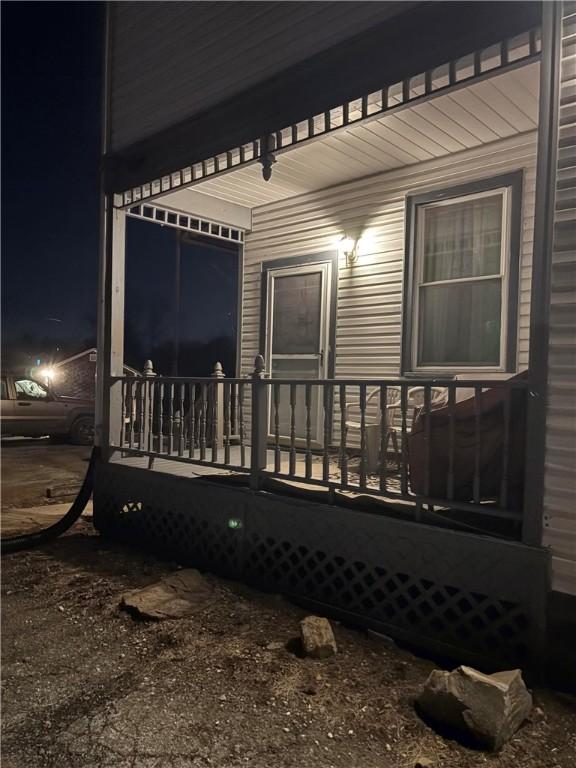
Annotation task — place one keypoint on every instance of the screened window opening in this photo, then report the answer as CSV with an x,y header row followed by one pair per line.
x,y
461,279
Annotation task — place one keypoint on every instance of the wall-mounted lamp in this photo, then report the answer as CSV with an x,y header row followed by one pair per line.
x,y
349,249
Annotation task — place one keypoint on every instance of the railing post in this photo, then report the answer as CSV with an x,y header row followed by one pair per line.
x,y
259,423
148,369
149,393
217,411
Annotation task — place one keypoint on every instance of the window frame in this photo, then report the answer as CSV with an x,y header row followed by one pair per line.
x,y
510,187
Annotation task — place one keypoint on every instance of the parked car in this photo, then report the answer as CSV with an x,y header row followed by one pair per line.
x,y
30,409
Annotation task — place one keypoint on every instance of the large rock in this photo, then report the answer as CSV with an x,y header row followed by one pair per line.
x,y
488,709
317,637
177,595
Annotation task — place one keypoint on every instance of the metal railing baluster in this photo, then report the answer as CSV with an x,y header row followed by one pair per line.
x,y
241,425
383,437
203,408
131,407
181,421
151,393
428,438
503,500
308,400
327,399
277,452
214,417
477,442
161,418
451,439
292,468
343,431
404,434
363,442
170,418
192,421
227,422
123,411
141,413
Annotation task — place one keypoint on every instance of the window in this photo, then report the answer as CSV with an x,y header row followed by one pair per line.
x,y
464,273
26,389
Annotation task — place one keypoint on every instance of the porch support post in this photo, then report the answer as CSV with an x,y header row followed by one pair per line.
x,y
218,407
259,423
110,360
541,270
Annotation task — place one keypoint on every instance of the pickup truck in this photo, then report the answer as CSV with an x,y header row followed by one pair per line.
x,y
30,409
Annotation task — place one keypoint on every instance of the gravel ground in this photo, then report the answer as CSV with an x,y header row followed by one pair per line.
x,y
87,686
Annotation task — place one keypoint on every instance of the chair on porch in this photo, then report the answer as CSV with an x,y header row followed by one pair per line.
x,y
374,430
415,403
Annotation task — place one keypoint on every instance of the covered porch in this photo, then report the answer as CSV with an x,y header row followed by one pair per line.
x,y
330,211
360,426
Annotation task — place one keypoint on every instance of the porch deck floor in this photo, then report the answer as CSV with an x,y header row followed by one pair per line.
x,y
175,465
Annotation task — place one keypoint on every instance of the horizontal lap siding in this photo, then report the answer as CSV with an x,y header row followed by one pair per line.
x,y
560,468
369,318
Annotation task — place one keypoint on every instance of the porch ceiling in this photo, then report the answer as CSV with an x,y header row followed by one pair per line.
x,y
478,114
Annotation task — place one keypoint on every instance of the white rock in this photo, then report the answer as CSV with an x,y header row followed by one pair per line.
x,y
318,639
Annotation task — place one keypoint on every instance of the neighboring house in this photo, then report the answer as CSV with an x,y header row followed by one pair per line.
x,y
76,376
398,180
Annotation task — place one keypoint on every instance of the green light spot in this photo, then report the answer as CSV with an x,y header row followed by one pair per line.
x,y
234,522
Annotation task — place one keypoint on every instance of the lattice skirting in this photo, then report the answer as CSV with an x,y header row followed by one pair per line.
x,y
474,598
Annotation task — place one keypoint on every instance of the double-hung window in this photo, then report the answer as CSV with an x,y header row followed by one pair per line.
x,y
464,272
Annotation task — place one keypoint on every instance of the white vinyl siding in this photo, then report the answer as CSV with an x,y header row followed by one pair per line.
x,y
369,318
560,463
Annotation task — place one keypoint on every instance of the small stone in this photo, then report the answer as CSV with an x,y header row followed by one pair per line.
x,y
423,762
537,715
487,708
274,646
222,697
318,639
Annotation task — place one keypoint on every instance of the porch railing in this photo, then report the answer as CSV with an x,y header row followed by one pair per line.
x,y
453,444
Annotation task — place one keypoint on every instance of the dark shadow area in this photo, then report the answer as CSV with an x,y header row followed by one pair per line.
x,y
181,307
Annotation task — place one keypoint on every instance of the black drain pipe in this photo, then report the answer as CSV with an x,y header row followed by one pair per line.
x,y
27,540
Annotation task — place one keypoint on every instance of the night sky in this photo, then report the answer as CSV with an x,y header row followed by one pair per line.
x,y
51,95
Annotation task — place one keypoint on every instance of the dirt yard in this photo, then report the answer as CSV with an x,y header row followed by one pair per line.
x,y
30,466
84,685
87,686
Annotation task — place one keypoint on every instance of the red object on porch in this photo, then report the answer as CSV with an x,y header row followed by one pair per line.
x,y
492,462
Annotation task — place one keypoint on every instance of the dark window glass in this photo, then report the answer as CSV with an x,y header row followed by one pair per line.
x,y
297,314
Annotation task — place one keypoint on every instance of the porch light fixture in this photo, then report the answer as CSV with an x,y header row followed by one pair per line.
x,y
349,248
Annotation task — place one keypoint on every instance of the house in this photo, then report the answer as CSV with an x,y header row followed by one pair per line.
x,y
76,376
397,444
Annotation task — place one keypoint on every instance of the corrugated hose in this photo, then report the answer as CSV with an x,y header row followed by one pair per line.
x,y
28,540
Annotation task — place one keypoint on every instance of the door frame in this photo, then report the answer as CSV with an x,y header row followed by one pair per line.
x,y
324,257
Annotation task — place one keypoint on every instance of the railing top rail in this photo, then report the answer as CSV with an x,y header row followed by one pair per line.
x,y
390,382
182,379
416,382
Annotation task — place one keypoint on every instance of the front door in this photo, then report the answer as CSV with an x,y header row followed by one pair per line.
x,y
298,340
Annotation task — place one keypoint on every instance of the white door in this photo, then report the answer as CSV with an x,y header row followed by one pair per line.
x,y
298,340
